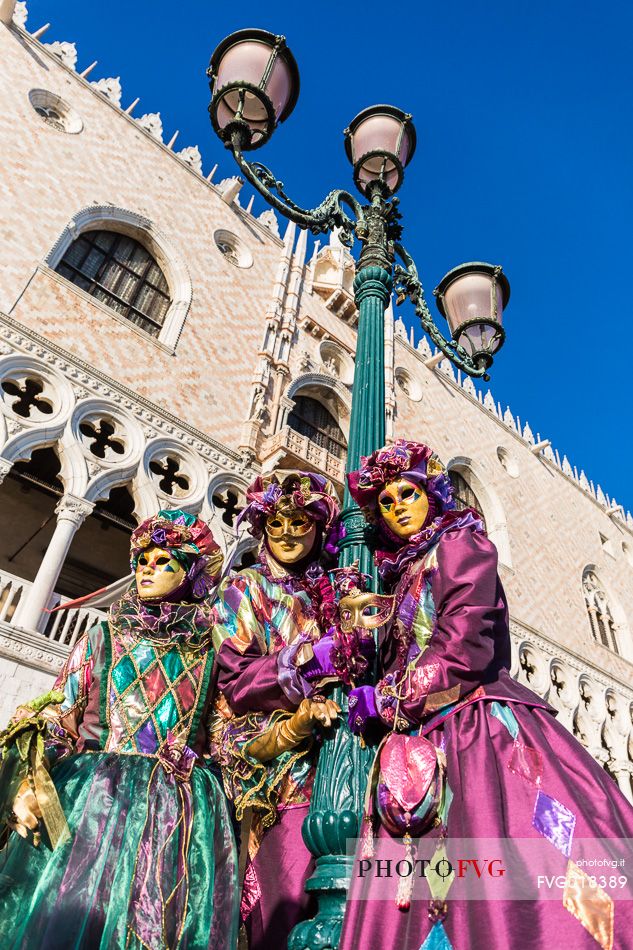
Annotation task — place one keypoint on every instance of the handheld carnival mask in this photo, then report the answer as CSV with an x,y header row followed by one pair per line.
x,y
355,610
404,507
297,514
359,612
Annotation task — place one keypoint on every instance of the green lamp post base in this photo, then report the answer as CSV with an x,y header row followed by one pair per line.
x,y
330,882
334,818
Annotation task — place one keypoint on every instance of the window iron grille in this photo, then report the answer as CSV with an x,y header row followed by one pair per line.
x,y
121,273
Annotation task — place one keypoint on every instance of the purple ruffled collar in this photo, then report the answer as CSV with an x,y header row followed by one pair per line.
x,y
291,581
392,562
164,622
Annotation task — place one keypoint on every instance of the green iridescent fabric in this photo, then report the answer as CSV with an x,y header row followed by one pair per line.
x,y
81,895
151,860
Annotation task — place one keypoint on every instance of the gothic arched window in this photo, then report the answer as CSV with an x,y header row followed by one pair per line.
x,y
121,273
310,418
463,495
603,626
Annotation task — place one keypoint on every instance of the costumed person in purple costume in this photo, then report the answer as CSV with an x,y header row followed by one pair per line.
x,y
470,753
134,843
278,648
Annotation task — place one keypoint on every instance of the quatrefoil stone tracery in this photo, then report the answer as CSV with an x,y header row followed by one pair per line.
x,y
167,472
228,501
26,397
99,437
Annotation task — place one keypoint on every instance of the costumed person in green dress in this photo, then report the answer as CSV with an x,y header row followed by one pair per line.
x,y
112,772
276,621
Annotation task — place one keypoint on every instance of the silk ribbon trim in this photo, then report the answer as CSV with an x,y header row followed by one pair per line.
x,y
47,799
159,893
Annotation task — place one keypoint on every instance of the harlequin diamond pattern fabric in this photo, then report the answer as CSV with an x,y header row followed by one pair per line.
x,y
153,689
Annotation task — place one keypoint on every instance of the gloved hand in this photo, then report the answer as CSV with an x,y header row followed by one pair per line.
x,y
363,711
320,665
289,733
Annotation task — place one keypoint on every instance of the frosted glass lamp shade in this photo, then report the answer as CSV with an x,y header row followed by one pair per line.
x,y
254,85
473,297
380,143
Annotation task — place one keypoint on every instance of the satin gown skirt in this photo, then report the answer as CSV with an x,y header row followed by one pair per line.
x,y
151,862
274,898
492,801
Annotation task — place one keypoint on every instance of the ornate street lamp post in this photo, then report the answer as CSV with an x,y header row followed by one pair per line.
x,y
254,84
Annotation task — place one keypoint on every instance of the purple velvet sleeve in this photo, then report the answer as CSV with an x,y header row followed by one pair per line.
x,y
250,681
470,641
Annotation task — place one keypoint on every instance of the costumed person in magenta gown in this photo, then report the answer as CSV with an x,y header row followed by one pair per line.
x,y
137,848
470,753
275,620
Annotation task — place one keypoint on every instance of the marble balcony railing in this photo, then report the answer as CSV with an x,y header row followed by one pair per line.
x,y
288,448
63,628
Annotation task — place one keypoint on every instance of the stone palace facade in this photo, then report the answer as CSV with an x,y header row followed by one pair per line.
x,y
160,345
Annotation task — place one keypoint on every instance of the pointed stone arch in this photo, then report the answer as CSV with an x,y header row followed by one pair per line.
x,y
607,618
334,396
491,506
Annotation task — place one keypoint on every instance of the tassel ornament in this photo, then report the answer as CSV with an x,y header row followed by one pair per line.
x,y
405,884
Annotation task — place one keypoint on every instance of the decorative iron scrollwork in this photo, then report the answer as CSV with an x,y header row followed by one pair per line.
x,y
325,217
407,284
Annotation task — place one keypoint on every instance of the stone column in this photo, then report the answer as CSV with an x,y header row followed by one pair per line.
x,y
616,734
7,9
71,513
285,408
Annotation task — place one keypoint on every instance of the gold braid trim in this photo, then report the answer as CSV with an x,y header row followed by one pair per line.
x,y
264,793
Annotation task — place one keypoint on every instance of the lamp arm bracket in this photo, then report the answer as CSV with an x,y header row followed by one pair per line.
x,y
325,217
407,283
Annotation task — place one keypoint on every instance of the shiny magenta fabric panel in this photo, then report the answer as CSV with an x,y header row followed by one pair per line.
x,y
492,801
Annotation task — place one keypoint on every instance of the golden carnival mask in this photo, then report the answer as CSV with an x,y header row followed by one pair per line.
x,y
295,524
403,507
290,534
355,610
157,574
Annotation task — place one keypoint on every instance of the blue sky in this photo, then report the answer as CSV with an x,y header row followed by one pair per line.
x,y
525,158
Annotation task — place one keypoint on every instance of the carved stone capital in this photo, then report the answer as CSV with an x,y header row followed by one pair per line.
x,y
73,509
5,468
